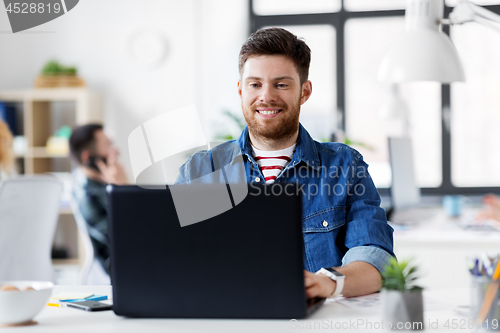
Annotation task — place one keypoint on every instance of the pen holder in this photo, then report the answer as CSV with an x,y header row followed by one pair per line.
x,y
480,285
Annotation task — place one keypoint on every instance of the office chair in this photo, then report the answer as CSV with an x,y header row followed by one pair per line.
x,y
91,271
29,210
87,243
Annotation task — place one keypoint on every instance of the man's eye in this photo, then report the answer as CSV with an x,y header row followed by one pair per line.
x,y
282,85
254,85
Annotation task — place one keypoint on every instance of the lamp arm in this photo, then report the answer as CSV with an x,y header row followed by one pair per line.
x,y
487,23
468,12
485,13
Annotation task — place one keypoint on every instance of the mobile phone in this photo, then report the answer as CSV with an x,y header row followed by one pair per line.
x,y
90,306
91,162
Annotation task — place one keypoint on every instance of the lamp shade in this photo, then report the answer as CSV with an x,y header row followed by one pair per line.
x,y
421,55
423,52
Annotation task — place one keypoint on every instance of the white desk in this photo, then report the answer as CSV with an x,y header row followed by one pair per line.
x,y
64,320
440,246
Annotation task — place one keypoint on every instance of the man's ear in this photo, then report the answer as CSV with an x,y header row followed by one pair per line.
x,y
84,156
306,91
239,88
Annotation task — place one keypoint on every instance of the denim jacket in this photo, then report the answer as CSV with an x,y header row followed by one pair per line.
x,y
342,220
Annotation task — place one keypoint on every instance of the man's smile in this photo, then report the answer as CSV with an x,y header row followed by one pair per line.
x,y
268,112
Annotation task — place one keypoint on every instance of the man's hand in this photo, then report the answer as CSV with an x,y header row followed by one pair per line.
x,y
492,201
318,285
361,278
112,172
491,210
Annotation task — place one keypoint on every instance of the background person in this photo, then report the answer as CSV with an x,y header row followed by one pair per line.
x,y
491,209
7,157
98,165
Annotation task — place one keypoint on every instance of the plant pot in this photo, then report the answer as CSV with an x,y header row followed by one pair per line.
x,y
402,310
56,81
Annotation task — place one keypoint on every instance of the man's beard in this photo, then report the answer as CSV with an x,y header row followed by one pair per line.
x,y
270,129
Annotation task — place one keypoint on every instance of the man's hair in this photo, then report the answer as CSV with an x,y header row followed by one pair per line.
x,y
277,41
82,138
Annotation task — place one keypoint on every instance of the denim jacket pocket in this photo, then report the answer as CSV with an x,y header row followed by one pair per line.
x,y
320,231
324,220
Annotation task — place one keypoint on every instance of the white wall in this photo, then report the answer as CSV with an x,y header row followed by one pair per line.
x,y
224,28
203,39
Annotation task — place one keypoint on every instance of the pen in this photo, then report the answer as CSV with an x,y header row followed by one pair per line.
x,y
487,264
470,264
490,295
58,305
92,298
476,271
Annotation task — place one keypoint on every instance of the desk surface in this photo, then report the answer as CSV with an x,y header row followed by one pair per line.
x,y
440,228
441,248
333,316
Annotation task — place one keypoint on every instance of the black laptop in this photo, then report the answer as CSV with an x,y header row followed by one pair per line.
x,y
246,262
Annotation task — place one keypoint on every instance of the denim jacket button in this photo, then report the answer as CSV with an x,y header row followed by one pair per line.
x,y
325,224
257,179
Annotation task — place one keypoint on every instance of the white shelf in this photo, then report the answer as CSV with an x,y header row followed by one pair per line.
x,y
42,152
65,211
44,94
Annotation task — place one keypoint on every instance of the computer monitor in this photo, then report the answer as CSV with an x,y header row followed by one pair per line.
x,y
404,191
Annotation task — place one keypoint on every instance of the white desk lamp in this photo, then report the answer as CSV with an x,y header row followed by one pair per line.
x,y
395,107
468,12
423,52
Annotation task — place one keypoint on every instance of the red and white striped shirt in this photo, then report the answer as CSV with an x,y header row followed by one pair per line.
x,y
272,162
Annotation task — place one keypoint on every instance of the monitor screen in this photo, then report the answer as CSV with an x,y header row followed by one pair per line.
x,y
404,190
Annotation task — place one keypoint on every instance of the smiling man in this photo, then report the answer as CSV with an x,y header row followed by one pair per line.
x,y
347,240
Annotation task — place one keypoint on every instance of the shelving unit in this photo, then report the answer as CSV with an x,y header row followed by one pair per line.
x,y
36,104
37,113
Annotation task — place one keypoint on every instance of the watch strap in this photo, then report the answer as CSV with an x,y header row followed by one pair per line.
x,y
335,276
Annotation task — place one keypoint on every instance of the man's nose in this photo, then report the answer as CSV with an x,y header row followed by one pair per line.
x,y
268,94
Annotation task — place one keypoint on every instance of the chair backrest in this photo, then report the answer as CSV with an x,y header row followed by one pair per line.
x,y
29,210
87,243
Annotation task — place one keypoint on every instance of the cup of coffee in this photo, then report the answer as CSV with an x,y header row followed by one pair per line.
x,y
454,205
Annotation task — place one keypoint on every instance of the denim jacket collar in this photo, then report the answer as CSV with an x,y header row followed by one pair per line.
x,y
304,151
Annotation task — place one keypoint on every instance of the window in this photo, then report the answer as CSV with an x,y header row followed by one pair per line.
x,y
360,5
282,7
318,113
365,95
453,3
475,114
455,128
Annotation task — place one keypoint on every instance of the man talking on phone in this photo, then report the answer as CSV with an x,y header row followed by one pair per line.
x,y
98,165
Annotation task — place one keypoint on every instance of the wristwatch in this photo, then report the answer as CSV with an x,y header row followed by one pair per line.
x,y
335,276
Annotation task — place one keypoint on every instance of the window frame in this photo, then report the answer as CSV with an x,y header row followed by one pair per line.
x,y
338,21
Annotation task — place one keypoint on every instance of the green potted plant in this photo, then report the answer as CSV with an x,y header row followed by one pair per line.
x,y
52,68
55,75
401,298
